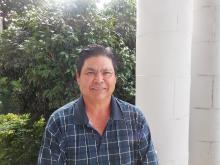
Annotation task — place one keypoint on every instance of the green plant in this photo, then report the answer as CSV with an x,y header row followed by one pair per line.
x,y
19,140
38,52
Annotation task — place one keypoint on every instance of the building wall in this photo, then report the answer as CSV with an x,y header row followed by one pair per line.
x,y
205,89
178,77
163,73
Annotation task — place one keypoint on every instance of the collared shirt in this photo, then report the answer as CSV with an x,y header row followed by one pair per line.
x,y
70,139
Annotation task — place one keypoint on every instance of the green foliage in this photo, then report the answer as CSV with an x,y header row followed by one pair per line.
x,y
18,6
19,142
39,51
38,48
124,14
8,101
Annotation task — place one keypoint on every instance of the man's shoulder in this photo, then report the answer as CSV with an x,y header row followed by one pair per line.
x,y
65,110
62,116
129,110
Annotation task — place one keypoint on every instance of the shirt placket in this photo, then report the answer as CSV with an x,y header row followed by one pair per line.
x,y
100,148
92,146
103,148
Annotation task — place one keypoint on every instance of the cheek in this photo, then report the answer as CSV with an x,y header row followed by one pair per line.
x,y
112,83
114,80
84,87
87,84
83,83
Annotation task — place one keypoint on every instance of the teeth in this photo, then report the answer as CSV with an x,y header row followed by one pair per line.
x,y
97,88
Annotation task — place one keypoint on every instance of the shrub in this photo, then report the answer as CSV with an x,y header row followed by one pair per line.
x,y
39,49
19,140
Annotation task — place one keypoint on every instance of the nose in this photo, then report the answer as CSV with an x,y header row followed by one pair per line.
x,y
99,77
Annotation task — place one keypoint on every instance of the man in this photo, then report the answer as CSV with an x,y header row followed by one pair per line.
x,y
97,128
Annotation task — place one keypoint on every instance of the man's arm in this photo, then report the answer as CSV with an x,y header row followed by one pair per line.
x,y
51,150
147,153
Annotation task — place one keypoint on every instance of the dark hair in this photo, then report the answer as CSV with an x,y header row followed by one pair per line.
x,y
93,51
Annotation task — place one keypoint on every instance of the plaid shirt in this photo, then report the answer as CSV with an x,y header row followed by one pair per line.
x,y
70,139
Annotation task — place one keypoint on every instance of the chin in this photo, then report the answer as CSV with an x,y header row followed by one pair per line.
x,y
100,97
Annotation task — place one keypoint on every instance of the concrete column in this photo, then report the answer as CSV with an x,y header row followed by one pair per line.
x,y
205,90
163,73
1,24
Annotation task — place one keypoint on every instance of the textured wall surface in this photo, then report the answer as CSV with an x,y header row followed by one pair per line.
x,y
205,90
163,72
178,78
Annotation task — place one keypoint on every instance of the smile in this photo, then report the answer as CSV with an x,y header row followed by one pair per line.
x,y
98,88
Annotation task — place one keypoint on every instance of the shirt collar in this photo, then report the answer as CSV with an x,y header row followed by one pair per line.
x,y
81,117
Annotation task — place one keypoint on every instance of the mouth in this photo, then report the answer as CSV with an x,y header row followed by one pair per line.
x,y
98,88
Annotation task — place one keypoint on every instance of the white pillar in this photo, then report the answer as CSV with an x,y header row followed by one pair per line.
x,y
163,73
205,91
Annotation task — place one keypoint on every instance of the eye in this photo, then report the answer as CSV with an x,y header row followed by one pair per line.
x,y
107,73
90,73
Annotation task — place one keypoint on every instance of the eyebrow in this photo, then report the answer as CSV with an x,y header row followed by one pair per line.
x,y
92,69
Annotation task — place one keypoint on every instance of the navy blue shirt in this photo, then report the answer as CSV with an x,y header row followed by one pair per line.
x,y
70,139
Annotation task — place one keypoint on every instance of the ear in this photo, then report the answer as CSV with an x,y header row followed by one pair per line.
x,y
77,78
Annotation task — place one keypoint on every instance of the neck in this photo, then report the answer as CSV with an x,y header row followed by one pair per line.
x,y
98,113
94,107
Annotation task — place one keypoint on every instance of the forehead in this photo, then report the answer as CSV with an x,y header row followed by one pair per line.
x,y
98,62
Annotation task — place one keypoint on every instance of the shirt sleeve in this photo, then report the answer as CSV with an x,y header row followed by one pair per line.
x,y
52,147
147,153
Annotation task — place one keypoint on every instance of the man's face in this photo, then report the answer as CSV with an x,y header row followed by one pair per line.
x,y
97,78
